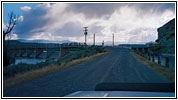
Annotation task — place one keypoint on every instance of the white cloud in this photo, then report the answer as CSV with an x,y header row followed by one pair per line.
x,y
14,36
4,26
11,36
25,8
21,18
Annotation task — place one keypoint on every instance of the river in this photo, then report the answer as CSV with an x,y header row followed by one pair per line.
x,y
29,60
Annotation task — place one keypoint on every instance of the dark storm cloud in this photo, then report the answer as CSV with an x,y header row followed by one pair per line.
x,y
33,22
93,10
147,8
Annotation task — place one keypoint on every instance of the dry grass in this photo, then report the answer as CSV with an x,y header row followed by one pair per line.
x,y
21,78
170,75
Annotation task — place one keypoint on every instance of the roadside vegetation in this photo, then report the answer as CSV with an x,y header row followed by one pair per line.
x,y
170,75
16,74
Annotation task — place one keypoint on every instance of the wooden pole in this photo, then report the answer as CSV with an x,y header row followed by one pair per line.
x,y
153,59
85,33
113,40
159,61
94,39
85,39
103,44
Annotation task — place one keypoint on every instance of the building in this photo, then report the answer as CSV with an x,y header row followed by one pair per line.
x,y
166,37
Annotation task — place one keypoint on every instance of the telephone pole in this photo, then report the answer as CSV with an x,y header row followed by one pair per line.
x,y
103,44
85,33
94,39
113,40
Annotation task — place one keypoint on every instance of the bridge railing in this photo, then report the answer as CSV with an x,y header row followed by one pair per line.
x,y
32,45
38,49
165,60
40,45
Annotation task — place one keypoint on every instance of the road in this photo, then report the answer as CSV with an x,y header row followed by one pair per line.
x,y
118,67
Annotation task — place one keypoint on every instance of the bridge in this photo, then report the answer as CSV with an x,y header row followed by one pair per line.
x,y
39,50
141,49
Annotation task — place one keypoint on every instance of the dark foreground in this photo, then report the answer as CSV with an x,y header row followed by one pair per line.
x,y
117,67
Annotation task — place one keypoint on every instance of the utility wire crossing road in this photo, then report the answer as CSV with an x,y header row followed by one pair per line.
x,y
117,67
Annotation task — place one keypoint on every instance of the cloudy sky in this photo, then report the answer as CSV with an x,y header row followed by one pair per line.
x,y
130,22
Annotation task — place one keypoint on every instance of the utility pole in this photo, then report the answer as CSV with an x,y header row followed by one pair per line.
x,y
103,44
94,39
85,33
113,40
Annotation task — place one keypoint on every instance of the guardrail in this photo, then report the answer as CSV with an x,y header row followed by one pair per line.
x,y
165,60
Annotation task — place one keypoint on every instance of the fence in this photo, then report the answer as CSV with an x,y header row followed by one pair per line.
x,y
165,60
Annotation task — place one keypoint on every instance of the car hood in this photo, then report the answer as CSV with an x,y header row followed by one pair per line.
x,y
120,94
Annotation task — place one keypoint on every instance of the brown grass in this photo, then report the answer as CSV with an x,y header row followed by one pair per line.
x,y
170,75
21,78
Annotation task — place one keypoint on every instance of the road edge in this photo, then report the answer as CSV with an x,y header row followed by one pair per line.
x,y
27,76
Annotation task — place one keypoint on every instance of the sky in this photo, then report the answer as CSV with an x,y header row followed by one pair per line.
x,y
130,22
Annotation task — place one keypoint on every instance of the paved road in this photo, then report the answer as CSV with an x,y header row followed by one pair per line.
x,y
118,66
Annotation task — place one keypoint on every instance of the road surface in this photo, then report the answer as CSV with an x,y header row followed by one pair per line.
x,y
117,67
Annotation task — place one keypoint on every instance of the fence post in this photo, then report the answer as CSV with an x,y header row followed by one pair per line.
x,y
153,59
167,62
149,56
145,55
159,61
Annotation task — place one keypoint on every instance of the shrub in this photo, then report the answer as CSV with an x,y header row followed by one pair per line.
x,y
10,71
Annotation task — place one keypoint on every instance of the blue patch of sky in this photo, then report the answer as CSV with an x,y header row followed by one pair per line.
x,y
15,8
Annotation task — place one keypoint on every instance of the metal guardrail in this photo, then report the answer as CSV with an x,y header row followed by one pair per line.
x,y
167,60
